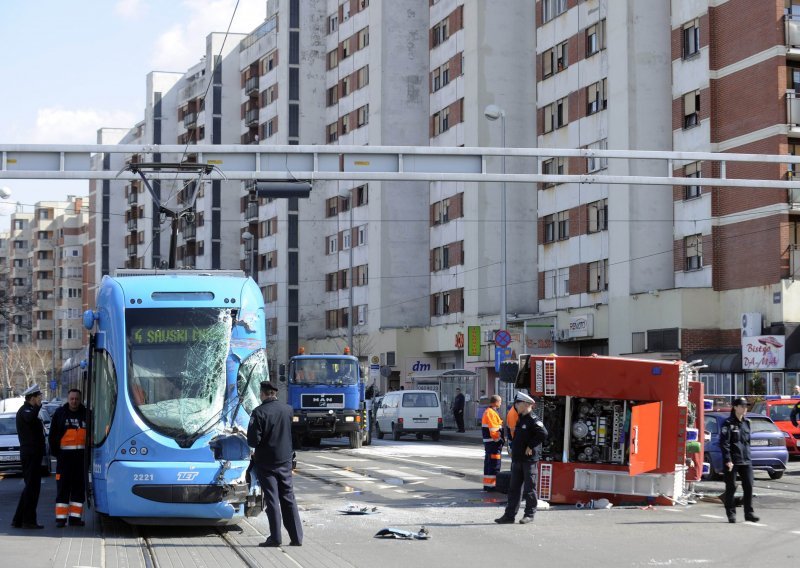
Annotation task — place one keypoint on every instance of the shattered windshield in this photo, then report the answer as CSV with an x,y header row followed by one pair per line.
x,y
330,371
252,371
176,366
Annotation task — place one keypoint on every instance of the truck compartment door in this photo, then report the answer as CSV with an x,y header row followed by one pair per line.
x,y
645,437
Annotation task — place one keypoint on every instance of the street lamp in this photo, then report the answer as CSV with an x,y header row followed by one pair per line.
x,y
493,112
248,239
5,192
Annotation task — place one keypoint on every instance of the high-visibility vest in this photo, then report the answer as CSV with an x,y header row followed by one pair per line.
x,y
491,425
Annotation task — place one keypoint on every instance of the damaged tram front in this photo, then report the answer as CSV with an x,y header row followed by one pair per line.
x,y
176,360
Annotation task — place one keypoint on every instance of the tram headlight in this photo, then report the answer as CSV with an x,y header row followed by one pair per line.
x,y
295,419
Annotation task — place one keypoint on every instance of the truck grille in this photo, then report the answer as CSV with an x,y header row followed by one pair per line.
x,y
322,400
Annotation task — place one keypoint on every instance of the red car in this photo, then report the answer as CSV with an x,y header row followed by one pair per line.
x,y
778,408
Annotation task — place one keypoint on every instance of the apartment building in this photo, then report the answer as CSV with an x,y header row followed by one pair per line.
x,y
19,277
673,272
5,296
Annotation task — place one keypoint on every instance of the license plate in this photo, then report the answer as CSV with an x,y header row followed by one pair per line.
x,y
759,442
420,419
9,458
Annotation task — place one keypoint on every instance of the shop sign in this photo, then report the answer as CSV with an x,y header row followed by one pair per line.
x,y
764,352
581,326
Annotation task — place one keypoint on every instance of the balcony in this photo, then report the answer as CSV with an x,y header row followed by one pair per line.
x,y
43,325
133,197
132,250
190,119
190,231
791,26
251,86
251,117
43,264
251,211
132,224
42,284
250,185
43,244
189,261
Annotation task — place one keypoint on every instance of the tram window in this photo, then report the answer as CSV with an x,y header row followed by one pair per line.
x,y
104,396
252,371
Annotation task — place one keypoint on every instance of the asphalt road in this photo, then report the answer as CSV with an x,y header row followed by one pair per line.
x,y
410,484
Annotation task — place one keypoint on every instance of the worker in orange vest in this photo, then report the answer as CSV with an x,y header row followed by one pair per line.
x,y
68,444
492,429
512,417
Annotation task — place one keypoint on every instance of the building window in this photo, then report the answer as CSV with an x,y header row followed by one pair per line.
x,y
331,319
549,228
333,244
362,276
440,32
554,166
346,236
362,235
346,88
362,195
562,222
332,96
693,245
596,97
363,115
555,60
333,23
363,38
555,115
333,132
331,206
598,216
662,339
595,38
362,315
562,282
595,163
437,259
691,39
691,109
598,275
345,124
553,8
441,121
363,76
330,281
333,59
345,46
692,171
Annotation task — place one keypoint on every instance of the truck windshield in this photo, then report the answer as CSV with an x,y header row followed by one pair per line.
x,y
176,366
327,371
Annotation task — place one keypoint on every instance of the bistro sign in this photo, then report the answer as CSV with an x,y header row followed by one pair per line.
x,y
764,352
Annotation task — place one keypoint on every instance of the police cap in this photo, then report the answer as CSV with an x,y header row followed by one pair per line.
x,y
522,397
268,386
740,401
32,390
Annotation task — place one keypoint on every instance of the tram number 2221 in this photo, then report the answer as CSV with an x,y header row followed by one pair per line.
x,y
143,477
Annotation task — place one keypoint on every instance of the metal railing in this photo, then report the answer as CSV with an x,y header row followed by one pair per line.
x,y
251,86
792,109
794,262
189,119
251,117
251,211
133,197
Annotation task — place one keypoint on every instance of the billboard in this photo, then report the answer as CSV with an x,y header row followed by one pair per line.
x,y
764,352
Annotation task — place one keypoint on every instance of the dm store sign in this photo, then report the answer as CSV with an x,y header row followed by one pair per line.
x,y
764,352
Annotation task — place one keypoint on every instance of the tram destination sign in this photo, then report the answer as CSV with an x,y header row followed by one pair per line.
x,y
164,335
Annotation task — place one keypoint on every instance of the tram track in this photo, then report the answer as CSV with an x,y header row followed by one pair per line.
x,y
232,553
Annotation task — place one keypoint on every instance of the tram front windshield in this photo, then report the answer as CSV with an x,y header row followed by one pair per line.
x,y
329,371
176,366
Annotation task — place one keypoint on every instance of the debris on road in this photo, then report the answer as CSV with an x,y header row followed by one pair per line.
x,y
390,532
353,509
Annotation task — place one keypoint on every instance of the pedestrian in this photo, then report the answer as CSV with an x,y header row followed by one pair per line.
x,y
270,433
492,429
796,389
68,443
458,410
795,409
734,439
30,430
529,435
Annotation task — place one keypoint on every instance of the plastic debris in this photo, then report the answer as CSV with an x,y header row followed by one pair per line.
x,y
353,509
594,504
390,532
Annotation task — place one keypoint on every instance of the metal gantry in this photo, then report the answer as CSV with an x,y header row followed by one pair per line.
x,y
380,163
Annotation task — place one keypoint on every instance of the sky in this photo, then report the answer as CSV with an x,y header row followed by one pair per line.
x,y
71,67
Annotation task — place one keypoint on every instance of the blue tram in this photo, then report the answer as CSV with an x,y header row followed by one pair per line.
x,y
175,362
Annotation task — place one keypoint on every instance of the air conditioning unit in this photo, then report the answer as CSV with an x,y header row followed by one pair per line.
x,y
751,324
488,335
562,334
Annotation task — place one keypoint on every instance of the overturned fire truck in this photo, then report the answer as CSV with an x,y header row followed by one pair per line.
x,y
620,429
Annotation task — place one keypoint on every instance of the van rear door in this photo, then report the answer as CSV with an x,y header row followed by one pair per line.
x,y
421,410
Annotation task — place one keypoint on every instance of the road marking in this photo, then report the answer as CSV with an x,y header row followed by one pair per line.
x,y
795,532
713,516
348,460
399,474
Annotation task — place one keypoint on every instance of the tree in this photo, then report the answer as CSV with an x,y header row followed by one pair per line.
x,y
24,366
11,306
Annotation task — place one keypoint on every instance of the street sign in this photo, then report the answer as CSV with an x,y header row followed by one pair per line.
x,y
502,338
501,354
53,385
474,341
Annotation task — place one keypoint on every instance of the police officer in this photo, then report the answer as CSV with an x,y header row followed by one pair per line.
x,y
68,443
31,449
529,435
734,439
270,433
796,408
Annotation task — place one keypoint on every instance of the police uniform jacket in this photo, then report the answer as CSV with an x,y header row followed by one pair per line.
x,y
30,429
795,413
68,429
734,440
270,433
529,433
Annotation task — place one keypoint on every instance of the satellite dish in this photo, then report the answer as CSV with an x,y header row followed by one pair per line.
x,y
386,371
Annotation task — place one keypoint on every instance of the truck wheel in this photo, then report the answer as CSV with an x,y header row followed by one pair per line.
x,y
355,440
378,431
435,436
395,433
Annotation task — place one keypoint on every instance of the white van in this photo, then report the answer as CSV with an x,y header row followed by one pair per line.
x,y
409,412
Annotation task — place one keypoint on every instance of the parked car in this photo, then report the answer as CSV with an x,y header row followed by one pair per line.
x,y
409,412
52,406
778,408
767,445
9,446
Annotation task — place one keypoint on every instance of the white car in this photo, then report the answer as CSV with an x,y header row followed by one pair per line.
x,y
409,412
9,445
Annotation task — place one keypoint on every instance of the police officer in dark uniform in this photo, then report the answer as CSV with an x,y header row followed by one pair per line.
x,y
270,433
529,435
30,430
796,408
734,440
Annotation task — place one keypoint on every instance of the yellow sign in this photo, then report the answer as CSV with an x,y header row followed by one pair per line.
x,y
473,341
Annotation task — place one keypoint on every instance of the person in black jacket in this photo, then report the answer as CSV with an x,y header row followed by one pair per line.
x,y
529,435
458,410
270,433
68,443
734,440
30,430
